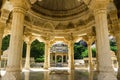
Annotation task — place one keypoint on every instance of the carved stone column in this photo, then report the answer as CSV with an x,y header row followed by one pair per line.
x,y
13,65
70,38
117,37
105,63
115,30
47,54
3,19
97,57
28,40
89,40
71,54
1,36
91,67
27,61
47,40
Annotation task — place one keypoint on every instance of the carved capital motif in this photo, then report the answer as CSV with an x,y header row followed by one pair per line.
x,y
69,37
28,38
19,10
4,15
99,4
47,38
20,3
89,39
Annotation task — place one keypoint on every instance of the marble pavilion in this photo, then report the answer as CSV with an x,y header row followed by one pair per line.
x,y
68,21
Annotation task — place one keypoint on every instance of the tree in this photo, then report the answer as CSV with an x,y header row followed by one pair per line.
x,y
78,49
5,42
37,49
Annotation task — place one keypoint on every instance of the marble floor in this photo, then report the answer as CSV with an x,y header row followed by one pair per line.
x,y
56,74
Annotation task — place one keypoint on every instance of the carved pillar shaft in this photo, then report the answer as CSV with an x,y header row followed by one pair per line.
x,y
97,67
71,55
27,61
49,56
14,56
1,36
105,64
16,38
46,62
117,36
90,57
115,29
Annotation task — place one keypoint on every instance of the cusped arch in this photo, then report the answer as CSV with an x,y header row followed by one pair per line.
x,y
48,25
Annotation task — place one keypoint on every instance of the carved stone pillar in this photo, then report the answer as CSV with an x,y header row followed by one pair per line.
x,y
115,30
117,37
90,56
89,39
105,63
3,19
1,36
28,41
13,65
71,54
97,57
47,54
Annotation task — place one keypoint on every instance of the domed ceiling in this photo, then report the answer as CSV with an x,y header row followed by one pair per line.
x,y
60,17
59,9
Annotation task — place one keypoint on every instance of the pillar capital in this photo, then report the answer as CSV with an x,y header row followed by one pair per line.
x,y
47,39
20,5
98,4
70,39
4,15
29,39
89,39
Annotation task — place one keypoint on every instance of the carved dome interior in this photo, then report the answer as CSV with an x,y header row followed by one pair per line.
x,y
59,8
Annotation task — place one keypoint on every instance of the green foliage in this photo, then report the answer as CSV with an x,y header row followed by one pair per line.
x,y
113,46
78,49
41,59
37,49
85,53
93,52
112,42
5,42
24,50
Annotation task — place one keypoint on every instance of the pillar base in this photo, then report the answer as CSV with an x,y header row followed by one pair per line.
x,y
106,76
12,76
72,68
27,68
45,68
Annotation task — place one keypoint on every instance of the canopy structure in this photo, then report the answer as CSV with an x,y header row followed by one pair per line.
x,y
68,21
